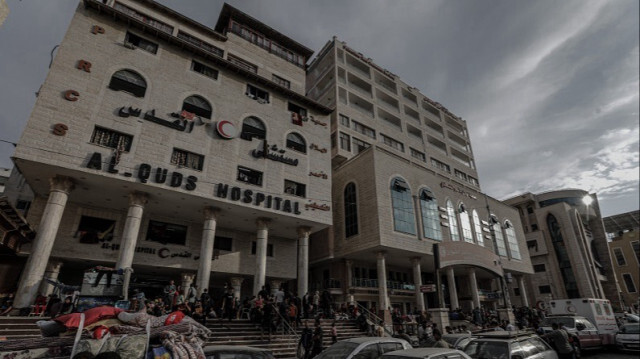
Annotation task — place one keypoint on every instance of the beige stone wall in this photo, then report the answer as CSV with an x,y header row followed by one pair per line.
x,y
631,265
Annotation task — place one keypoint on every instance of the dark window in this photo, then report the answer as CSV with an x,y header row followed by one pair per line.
x,y
402,203
204,69
242,63
365,130
248,175
223,244
534,227
472,180
530,210
359,145
544,289
187,159
144,18
619,256
292,107
94,230
345,142
296,142
257,94
562,256
628,281
201,44
419,155
350,210
269,249
516,291
141,43
344,120
539,268
440,165
294,188
128,81
197,105
280,81
23,205
167,233
112,139
267,44
532,244
392,143
252,127
635,245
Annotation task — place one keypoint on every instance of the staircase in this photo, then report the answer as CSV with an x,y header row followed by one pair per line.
x,y
19,327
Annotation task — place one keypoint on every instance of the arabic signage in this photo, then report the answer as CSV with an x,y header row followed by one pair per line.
x,y
428,288
457,189
274,154
163,252
184,121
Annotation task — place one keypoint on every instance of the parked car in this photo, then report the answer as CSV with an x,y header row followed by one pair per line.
x,y
426,353
234,351
627,318
363,348
509,345
587,335
457,340
628,338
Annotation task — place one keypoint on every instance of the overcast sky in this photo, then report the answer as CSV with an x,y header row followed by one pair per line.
x,y
549,89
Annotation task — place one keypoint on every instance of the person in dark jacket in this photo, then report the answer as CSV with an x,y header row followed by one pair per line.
x,y
306,340
317,340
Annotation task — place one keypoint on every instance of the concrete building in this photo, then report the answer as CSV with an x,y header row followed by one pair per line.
x,y
174,149
408,209
4,178
624,247
568,246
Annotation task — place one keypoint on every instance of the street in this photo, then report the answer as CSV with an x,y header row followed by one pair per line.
x,y
612,354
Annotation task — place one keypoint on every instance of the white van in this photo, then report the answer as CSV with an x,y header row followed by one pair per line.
x,y
598,311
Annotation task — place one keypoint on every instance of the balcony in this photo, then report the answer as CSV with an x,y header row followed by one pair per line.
x,y
409,97
390,119
373,283
360,104
458,141
435,128
358,67
413,114
360,85
454,124
385,83
437,144
387,101
432,112
414,132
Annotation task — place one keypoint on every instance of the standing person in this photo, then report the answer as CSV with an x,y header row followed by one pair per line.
x,y
279,296
316,301
439,342
305,305
334,333
228,304
266,320
560,341
192,294
317,340
306,340
205,299
293,315
169,293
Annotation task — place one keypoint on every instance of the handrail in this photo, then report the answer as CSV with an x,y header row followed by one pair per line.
x,y
377,318
285,323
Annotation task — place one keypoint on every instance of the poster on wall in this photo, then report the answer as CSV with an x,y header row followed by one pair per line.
x,y
94,230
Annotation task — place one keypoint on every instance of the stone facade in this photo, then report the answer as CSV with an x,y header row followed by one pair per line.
x,y
624,248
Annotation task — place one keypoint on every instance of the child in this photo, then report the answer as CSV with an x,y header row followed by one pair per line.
x,y
334,333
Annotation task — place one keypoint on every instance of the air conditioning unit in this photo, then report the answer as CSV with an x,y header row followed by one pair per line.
x,y
129,45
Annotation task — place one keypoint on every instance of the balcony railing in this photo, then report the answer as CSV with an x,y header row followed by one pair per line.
x,y
373,283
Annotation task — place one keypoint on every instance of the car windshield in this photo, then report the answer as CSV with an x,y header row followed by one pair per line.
x,y
630,329
480,349
632,318
339,350
567,322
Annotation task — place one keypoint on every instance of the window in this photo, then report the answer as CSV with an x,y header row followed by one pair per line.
x,y
223,244
461,175
516,291
635,245
204,69
292,107
112,139
473,180
257,94
201,44
280,81
512,240
350,210
252,128
269,249
143,18
345,142
197,105
141,43
296,142
248,175
368,352
538,268
465,222
23,205
344,120
128,81
430,215
417,154
365,130
402,203
440,165
267,44
532,244
166,233
294,188
628,281
453,222
617,251
534,227
477,226
529,210
242,63
359,145
94,230
544,289
501,248
187,159
392,143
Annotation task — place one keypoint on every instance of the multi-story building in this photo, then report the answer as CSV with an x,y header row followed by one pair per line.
x,y
159,144
4,178
404,180
568,246
624,247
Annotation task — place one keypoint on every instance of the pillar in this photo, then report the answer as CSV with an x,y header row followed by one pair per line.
x,y
206,248
475,297
303,260
52,272
34,269
453,293
236,284
187,280
523,292
137,201
417,279
349,265
383,300
262,235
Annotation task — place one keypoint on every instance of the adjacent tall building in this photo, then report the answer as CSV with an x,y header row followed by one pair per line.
x,y
624,247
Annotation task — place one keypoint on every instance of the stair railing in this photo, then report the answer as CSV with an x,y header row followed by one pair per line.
x,y
285,325
372,317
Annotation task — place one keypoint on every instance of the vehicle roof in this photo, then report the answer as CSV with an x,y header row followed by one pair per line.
x,y
454,335
361,340
420,352
503,334
235,348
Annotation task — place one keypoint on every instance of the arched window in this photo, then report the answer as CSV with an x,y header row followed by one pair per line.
x,y
430,215
512,240
497,230
252,127
555,232
197,105
453,222
467,235
403,216
128,81
478,227
350,210
296,142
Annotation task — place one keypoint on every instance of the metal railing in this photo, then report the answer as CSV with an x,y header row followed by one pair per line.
x,y
373,319
285,325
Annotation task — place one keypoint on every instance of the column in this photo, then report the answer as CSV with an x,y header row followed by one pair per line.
x,y
417,279
34,269
383,300
137,200
475,296
236,284
206,248
453,293
349,265
523,292
261,254
52,272
187,280
303,260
